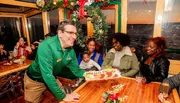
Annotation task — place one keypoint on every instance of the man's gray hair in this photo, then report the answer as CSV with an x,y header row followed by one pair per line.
x,y
62,24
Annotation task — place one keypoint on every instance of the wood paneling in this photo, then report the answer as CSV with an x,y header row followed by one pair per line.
x,y
61,14
90,28
174,67
158,17
33,12
2,14
124,16
45,18
18,3
25,29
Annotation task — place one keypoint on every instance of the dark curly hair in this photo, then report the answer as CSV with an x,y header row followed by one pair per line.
x,y
122,38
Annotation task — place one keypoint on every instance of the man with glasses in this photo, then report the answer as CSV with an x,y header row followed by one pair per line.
x,y
53,55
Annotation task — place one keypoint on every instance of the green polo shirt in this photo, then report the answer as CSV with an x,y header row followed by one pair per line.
x,y
49,62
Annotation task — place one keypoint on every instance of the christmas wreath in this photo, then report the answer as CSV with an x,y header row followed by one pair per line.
x,y
99,23
81,9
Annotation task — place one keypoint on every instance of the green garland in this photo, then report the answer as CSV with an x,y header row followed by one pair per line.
x,y
98,19
99,23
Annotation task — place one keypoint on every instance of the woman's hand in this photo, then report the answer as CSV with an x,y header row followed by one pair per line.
x,y
28,49
162,97
144,80
17,45
74,97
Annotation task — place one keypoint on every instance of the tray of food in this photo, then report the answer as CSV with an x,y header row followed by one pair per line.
x,y
102,75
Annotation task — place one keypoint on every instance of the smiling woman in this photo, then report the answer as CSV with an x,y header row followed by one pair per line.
x,y
155,65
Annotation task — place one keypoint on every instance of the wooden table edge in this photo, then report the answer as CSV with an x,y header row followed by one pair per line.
x,y
176,96
14,70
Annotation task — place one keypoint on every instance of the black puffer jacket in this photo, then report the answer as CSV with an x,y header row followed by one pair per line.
x,y
157,70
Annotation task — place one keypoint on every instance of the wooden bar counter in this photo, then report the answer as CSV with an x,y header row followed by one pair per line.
x,y
91,91
8,69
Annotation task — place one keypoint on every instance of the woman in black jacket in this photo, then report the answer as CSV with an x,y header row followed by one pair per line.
x,y
155,65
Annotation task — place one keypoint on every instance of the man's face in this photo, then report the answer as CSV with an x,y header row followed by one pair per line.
x,y
68,36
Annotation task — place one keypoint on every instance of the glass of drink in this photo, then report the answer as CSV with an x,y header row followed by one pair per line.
x,y
139,77
165,90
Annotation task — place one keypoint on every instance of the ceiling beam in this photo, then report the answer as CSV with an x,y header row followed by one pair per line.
x,y
33,12
2,14
18,3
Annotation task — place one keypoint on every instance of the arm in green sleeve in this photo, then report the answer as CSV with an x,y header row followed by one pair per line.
x,y
134,67
74,67
45,61
107,60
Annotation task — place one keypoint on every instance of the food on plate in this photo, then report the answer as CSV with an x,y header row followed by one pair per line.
x,y
17,60
7,63
103,74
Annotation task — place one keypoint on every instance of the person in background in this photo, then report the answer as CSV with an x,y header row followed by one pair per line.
x,y
34,47
174,82
97,57
88,64
53,55
154,66
114,43
3,53
21,49
122,58
48,35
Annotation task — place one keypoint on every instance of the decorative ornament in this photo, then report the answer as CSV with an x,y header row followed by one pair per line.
x,y
65,3
72,4
98,19
145,2
98,0
89,2
81,8
100,31
114,96
40,3
54,3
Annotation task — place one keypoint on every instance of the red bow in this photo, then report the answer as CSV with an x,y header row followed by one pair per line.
x,y
81,8
65,3
145,2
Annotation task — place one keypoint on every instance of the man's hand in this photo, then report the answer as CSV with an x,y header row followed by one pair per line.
x,y
74,97
162,97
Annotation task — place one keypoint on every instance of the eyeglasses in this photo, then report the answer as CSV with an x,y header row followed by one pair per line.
x,y
70,32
